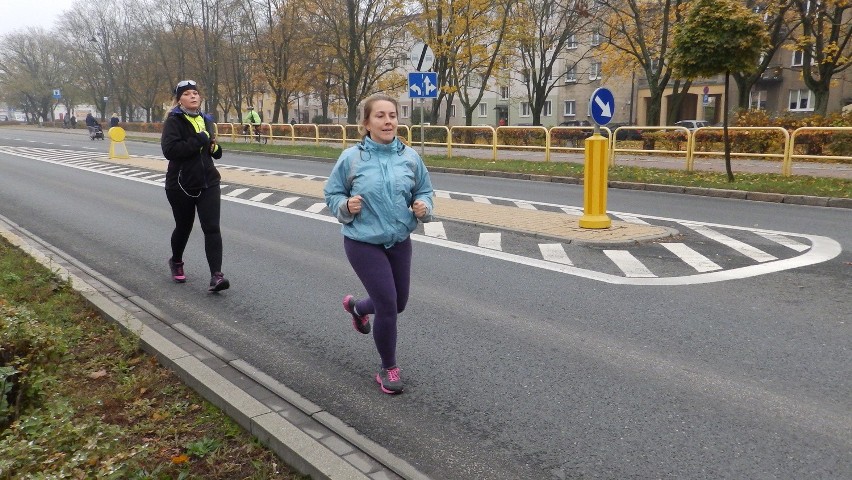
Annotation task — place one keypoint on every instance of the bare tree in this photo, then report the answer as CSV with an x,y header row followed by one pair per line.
x,y
31,67
364,37
542,36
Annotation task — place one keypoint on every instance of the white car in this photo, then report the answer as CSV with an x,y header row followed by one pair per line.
x,y
692,124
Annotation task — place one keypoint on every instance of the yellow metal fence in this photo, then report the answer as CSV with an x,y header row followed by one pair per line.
x,y
771,143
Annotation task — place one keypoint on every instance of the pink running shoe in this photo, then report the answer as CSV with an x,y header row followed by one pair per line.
x,y
361,323
389,380
177,271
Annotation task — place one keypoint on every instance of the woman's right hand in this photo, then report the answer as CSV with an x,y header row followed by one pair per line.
x,y
353,204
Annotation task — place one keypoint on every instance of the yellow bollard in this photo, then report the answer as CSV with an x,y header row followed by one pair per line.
x,y
595,184
116,138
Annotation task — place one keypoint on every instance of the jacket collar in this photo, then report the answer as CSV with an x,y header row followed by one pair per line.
x,y
370,145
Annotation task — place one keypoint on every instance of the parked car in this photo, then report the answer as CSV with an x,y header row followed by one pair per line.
x,y
631,133
575,123
692,124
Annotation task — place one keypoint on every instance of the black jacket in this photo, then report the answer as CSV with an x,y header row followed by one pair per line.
x,y
188,153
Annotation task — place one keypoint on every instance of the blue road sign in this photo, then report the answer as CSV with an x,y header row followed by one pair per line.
x,y
602,105
57,93
423,85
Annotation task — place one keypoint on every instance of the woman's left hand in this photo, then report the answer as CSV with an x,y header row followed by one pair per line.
x,y
419,207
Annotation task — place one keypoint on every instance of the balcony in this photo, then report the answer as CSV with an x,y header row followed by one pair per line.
x,y
771,75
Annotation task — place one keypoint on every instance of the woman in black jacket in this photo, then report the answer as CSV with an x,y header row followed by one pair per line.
x,y
192,181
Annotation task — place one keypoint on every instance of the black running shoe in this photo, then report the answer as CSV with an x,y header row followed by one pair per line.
x,y
218,282
362,322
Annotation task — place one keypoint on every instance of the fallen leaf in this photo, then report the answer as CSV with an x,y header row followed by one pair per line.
x,y
100,373
182,458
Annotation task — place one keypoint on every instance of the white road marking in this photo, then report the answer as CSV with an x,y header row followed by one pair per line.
x,y
526,205
260,197
315,208
628,264
749,251
572,210
631,219
442,194
237,192
490,240
287,201
554,252
786,241
692,258
435,230
480,199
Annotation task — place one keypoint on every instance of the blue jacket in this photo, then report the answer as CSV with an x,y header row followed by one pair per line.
x,y
389,179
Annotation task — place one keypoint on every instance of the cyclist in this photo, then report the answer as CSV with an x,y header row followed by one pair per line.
x,y
252,119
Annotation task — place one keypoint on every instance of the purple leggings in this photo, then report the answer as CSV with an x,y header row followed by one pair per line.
x,y
386,275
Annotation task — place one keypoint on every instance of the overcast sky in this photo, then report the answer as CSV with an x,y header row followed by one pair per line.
x,y
20,14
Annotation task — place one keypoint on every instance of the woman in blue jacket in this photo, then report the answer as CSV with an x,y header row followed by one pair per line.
x,y
192,181
378,190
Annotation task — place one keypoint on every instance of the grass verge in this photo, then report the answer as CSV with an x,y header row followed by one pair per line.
x,y
752,182
79,399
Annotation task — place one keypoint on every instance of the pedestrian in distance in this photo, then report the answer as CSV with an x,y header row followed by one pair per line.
x,y
113,120
192,181
378,190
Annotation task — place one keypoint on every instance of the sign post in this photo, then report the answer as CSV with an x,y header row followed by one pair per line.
x,y
425,86
601,105
422,85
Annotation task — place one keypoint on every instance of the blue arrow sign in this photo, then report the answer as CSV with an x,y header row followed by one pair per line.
x,y
423,85
602,105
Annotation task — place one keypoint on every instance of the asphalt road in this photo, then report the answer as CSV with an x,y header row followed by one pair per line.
x,y
511,371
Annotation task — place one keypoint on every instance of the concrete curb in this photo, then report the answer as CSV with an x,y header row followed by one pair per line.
x,y
307,438
834,202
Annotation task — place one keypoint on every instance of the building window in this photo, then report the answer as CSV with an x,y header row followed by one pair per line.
x,y
595,71
525,109
483,109
757,100
572,42
596,37
504,93
571,74
798,58
547,111
800,100
404,112
570,108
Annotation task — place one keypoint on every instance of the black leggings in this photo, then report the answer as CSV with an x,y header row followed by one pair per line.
x,y
208,204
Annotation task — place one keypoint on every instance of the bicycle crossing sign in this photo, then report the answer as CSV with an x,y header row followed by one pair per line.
x,y
423,85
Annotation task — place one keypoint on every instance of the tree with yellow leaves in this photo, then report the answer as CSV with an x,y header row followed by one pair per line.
x,y
639,36
825,40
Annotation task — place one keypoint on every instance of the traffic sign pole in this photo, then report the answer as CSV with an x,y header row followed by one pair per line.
x,y
595,183
602,106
